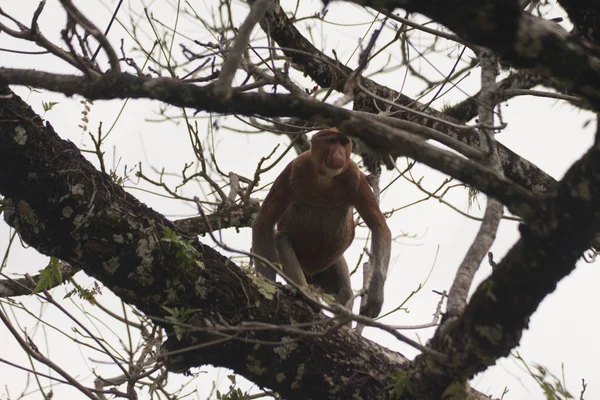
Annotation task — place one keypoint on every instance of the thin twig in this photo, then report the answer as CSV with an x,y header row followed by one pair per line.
x,y
434,321
90,28
31,349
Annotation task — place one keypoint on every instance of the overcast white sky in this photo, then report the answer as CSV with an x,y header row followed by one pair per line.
x,y
549,133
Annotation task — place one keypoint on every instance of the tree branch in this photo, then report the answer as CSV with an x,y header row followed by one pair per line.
x,y
234,56
378,136
457,297
327,72
517,36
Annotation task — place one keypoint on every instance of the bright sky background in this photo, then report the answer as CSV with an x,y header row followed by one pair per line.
x,y
549,133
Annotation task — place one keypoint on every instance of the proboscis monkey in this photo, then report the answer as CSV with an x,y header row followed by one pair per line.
x,y
311,203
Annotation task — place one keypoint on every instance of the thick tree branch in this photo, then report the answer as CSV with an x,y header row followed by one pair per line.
x,y
233,216
375,134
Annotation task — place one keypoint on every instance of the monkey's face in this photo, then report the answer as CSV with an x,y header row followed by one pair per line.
x,y
331,149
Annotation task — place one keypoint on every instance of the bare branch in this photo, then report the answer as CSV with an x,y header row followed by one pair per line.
x,y
89,27
223,85
29,347
377,135
457,297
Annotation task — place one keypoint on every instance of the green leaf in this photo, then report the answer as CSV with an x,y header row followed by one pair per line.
x,y
48,106
50,276
179,316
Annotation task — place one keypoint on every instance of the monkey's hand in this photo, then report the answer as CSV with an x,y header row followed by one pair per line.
x,y
372,307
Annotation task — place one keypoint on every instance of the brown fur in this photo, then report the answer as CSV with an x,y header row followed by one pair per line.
x,y
311,203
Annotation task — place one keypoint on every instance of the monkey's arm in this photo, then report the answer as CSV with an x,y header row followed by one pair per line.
x,y
263,227
367,207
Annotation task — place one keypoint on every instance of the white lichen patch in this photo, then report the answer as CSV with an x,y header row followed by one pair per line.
x,y
77,189
20,135
82,219
142,275
144,250
299,376
78,251
111,265
288,346
119,239
255,367
265,286
78,220
67,212
342,382
201,289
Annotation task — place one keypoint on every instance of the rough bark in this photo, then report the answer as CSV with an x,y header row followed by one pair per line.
x,y
585,16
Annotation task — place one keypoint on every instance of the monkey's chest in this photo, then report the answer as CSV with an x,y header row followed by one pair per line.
x,y
319,235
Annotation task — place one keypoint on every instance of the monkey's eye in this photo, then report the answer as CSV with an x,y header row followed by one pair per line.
x,y
339,140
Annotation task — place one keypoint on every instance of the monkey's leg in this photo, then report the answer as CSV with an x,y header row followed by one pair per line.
x,y
336,280
287,257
